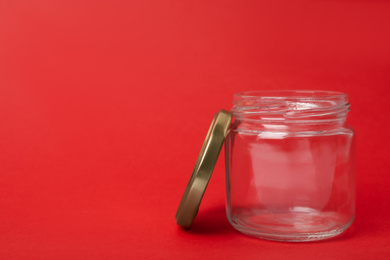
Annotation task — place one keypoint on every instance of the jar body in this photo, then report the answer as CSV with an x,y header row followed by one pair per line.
x,y
290,180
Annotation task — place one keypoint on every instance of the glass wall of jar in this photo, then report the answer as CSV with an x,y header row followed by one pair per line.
x,y
290,165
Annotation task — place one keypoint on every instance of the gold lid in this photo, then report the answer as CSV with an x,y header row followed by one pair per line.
x,y
189,204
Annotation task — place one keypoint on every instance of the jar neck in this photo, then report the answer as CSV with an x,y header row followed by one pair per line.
x,y
290,110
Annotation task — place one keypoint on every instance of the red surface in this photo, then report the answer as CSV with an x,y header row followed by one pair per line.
x,y
104,106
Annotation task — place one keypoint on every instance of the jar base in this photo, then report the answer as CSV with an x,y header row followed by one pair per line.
x,y
291,227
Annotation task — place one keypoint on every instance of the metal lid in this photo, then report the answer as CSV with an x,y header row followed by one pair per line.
x,y
189,204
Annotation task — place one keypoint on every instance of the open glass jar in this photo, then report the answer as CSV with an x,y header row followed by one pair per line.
x,y
289,165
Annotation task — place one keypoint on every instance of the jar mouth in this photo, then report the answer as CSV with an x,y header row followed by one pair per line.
x,y
292,94
290,105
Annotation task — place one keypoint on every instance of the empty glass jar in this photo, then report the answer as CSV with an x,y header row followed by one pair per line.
x,y
290,165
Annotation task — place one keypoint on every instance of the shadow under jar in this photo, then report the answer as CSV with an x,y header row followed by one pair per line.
x,y
290,165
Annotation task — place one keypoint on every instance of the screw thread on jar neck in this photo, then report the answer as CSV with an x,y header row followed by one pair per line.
x,y
275,109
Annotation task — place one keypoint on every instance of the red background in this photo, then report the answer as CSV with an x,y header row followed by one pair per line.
x,y
104,106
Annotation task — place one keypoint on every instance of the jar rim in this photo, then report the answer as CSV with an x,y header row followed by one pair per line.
x,y
298,106
291,94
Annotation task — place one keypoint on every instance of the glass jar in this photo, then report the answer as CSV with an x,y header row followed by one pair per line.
x,y
290,165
